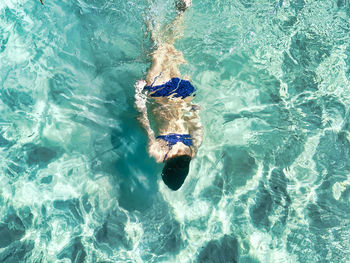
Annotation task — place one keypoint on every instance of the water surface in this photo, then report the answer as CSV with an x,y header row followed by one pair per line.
x,y
271,181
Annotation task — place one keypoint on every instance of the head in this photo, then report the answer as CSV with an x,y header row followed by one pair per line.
x,y
175,171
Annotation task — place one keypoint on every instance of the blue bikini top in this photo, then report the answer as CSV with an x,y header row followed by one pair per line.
x,y
174,138
179,88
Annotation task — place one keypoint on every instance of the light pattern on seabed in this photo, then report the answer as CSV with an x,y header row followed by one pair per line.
x,y
270,182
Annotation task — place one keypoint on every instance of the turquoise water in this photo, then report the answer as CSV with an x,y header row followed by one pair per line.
x,y
271,181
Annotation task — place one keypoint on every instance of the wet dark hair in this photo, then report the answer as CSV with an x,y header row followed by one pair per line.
x,y
175,171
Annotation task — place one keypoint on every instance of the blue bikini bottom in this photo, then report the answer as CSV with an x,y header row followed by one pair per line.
x,y
179,88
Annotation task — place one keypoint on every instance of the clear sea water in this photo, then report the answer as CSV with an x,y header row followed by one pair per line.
x,y
271,181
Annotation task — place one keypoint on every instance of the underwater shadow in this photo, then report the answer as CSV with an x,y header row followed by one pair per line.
x,y
137,172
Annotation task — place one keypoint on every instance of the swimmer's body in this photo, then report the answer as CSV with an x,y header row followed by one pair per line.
x,y
179,131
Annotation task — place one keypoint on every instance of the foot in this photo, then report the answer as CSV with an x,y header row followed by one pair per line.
x,y
182,5
188,3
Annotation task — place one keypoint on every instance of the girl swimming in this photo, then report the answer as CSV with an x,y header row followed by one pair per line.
x,y
178,129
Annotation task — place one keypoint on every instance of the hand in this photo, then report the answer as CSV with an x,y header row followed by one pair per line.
x,y
140,98
139,85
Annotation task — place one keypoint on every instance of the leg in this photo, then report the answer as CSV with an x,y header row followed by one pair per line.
x,y
165,65
166,59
